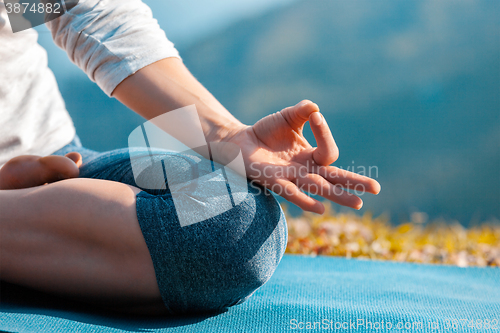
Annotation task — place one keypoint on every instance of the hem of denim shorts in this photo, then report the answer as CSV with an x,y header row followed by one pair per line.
x,y
154,235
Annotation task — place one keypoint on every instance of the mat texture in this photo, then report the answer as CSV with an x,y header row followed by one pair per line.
x,y
305,294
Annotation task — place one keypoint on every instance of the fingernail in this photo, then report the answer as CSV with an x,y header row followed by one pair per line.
x,y
316,118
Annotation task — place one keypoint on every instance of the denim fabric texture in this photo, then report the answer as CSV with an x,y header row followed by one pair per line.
x,y
204,267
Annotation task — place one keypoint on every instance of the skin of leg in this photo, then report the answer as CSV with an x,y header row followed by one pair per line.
x,y
78,238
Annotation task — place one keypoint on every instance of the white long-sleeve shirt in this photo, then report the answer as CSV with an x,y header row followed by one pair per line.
x,y
108,39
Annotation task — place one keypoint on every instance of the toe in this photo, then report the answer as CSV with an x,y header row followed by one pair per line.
x,y
59,167
75,157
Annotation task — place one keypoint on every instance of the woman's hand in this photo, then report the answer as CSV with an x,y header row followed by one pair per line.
x,y
279,158
276,154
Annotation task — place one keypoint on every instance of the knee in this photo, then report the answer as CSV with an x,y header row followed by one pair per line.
x,y
223,254
248,260
263,244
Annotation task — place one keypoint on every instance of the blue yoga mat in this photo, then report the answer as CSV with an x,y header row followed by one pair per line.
x,y
321,294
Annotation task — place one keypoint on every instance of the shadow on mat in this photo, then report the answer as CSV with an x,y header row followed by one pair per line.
x,y
22,300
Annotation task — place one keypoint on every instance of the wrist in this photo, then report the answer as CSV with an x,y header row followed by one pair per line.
x,y
224,130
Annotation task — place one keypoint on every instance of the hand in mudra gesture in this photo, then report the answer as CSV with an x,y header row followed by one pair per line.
x,y
278,157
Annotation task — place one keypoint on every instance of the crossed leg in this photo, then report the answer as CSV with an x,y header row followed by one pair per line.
x,y
79,238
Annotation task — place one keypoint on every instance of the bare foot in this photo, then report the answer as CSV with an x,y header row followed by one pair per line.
x,y
30,170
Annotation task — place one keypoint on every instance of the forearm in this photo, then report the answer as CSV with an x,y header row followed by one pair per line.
x,y
168,85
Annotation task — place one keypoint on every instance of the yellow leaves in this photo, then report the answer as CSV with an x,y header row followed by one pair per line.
x,y
350,235
404,228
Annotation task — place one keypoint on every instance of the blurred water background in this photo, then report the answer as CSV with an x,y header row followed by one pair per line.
x,y
409,88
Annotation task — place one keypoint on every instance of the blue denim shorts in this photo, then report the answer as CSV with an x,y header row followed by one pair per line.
x,y
207,266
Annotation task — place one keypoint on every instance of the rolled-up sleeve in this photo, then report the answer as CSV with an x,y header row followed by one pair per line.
x,y
111,39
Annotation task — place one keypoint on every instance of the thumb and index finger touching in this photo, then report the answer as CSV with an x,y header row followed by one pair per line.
x,y
326,151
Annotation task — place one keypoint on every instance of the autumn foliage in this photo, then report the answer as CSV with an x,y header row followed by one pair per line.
x,y
367,237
